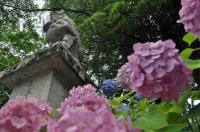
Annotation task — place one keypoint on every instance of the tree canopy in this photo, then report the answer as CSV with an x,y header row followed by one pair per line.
x,y
18,37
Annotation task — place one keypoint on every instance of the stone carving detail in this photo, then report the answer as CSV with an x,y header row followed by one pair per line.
x,y
61,28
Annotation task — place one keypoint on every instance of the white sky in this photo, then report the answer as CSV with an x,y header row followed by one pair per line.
x,y
40,3
43,17
40,20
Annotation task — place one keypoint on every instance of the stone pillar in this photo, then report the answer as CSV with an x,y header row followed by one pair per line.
x,y
48,75
44,85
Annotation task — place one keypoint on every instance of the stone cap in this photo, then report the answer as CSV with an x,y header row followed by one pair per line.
x,y
56,57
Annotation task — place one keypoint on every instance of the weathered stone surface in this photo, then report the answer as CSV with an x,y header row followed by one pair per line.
x,y
47,75
61,28
44,86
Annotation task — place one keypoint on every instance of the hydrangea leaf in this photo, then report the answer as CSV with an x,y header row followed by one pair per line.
x,y
194,112
131,101
189,38
175,118
185,54
123,97
184,96
195,94
172,128
153,119
176,108
115,103
192,64
142,104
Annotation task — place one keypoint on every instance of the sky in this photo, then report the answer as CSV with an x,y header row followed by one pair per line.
x,y
40,3
43,18
40,20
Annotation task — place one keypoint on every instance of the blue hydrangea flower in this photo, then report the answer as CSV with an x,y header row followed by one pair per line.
x,y
109,87
125,107
137,97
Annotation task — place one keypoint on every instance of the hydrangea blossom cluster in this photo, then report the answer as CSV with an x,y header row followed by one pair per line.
x,y
157,71
190,16
83,120
109,87
123,79
23,115
84,96
85,111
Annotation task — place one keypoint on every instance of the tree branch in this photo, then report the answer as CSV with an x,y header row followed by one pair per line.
x,y
47,9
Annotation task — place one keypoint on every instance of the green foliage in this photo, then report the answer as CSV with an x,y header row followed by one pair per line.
x,y
4,95
162,117
189,38
151,117
194,112
176,116
172,128
152,120
186,53
192,64
15,46
17,39
13,10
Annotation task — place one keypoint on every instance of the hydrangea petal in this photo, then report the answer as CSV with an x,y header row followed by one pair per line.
x,y
159,75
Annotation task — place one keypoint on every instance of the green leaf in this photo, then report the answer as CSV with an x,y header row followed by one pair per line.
x,y
142,104
175,118
195,94
153,119
115,103
194,112
121,114
189,38
176,108
123,97
173,128
184,96
192,64
132,99
185,54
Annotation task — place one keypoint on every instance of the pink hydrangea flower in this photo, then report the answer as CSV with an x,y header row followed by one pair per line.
x,y
157,70
23,115
81,119
85,111
190,16
84,96
123,79
125,126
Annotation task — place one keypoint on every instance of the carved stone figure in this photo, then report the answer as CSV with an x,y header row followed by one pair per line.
x,y
61,28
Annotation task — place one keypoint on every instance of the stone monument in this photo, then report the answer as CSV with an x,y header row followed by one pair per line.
x,y
50,73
